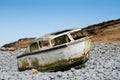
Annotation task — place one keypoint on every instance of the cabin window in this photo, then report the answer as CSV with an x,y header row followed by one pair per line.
x,y
53,42
77,35
44,43
34,47
60,40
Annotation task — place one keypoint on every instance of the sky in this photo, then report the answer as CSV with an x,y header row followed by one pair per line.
x,y
34,18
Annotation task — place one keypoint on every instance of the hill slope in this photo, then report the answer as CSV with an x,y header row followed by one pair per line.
x,y
105,32
21,43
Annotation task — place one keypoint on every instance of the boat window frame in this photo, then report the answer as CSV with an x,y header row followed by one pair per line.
x,y
54,41
33,50
41,45
76,35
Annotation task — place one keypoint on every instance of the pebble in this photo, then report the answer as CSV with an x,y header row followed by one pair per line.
x,y
104,64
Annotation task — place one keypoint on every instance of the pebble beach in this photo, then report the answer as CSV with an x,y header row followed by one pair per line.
x,y
103,64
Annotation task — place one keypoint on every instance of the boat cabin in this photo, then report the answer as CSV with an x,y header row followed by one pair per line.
x,y
55,39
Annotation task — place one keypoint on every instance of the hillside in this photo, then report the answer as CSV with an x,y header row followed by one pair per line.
x,y
21,43
105,32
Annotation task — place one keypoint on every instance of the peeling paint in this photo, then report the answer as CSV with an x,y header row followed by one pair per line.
x,y
65,55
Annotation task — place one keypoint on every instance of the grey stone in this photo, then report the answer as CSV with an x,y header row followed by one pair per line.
x,y
104,64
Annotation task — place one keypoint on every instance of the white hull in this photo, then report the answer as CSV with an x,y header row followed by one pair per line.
x,y
44,59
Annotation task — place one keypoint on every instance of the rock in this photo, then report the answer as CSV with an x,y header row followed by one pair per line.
x,y
34,71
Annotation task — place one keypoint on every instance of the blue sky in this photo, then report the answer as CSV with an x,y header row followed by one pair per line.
x,y
33,18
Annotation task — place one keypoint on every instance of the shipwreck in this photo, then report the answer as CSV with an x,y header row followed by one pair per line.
x,y
55,51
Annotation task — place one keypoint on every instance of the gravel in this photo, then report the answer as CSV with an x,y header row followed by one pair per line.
x,y
104,64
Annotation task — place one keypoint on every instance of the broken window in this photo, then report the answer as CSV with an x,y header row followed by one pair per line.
x,y
34,47
53,42
44,43
60,40
77,35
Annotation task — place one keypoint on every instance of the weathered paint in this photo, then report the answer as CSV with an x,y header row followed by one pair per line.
x,y
75,53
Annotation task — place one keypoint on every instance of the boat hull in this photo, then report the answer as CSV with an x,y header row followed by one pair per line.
x,y
60,57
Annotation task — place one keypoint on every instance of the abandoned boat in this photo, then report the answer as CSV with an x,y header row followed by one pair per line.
x,y
56,51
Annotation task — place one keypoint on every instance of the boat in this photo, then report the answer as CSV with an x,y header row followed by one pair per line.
x,y
56,51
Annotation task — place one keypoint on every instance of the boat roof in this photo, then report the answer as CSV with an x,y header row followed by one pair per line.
x,y
55,34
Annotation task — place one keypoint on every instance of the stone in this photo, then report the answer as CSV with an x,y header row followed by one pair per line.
x,y
99,67
34,71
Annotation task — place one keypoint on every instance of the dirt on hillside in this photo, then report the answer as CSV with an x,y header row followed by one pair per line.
x,y
105,32
21,43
